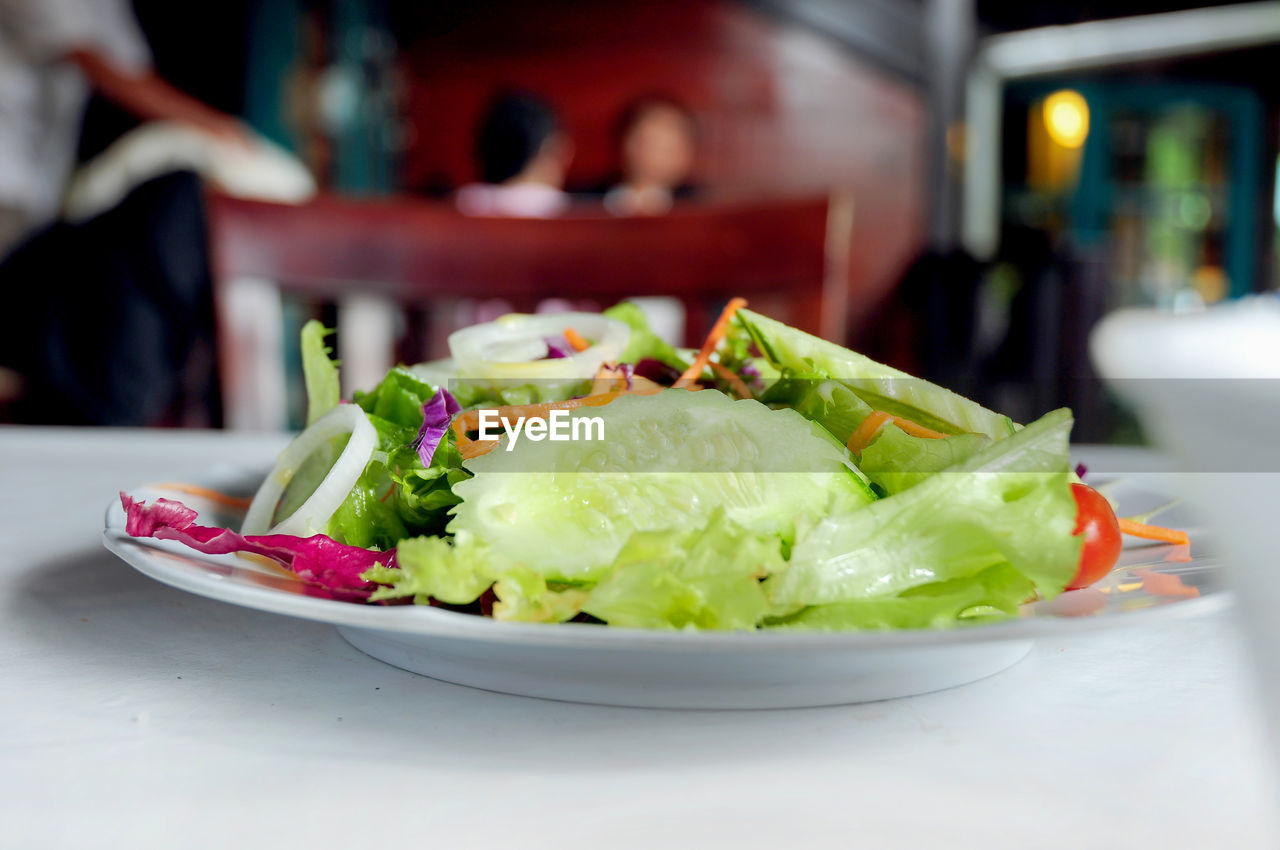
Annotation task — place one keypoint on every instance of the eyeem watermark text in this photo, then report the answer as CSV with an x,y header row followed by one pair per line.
x,y
558,426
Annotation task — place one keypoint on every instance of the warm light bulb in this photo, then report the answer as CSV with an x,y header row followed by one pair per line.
x,y
1066,117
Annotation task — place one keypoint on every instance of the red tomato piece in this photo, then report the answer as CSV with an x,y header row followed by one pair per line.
x,y
1101,531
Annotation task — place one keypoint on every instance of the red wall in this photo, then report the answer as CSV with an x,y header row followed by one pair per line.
x,y
782,110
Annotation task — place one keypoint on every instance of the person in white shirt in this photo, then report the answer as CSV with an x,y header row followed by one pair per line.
x,y
53,54
108,319
523,154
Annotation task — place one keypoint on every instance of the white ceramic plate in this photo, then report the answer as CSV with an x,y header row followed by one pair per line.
x,y
582,662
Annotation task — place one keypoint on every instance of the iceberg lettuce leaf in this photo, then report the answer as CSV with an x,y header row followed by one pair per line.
x,y
565,508
434,568
524,596
881,387
896,461
1010,503
829,403
458,572
994,593
705,579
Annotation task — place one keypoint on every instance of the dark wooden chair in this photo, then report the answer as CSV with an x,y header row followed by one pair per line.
x,y
372,258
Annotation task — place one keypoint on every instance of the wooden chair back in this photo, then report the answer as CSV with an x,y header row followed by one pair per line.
x,y
420,255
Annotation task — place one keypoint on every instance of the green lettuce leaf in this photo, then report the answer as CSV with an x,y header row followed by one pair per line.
x,y
367,519
397,400
994,593
644,342
319,372
896,461
419,496
457,572
395,496
566,508
523,596
473,394
1009,504
881,387
435,568
708,578
705,579
829,403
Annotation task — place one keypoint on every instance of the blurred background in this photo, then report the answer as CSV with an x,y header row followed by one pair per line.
x,y
961,188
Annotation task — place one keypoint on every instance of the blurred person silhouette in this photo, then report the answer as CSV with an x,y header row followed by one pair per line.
x,y
522,153
107,320
54,53
657,145
657,139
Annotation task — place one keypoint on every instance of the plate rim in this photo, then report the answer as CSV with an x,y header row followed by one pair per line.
x,y
148,556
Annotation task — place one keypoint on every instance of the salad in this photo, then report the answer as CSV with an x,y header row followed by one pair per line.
x,y
575,467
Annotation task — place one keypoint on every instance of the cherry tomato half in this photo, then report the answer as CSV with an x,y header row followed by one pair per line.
x,y
1097,522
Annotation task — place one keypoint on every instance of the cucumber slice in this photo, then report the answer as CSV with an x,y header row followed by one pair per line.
x,y
882,387
667,461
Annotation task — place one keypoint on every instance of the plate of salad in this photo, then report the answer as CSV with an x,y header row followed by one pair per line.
x,y
571,508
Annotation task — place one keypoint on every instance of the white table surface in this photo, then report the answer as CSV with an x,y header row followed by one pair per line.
x,y
135,715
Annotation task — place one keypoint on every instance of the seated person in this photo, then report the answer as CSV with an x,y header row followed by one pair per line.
x,y
523,154
657,141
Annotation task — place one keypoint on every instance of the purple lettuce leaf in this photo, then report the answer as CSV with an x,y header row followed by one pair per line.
x,y
320,561
656,371
626,370
437,413
751,375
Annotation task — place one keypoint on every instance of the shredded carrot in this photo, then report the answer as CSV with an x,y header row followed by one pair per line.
x,y
608,378
237,502
718,330
866,432
916,430
731,378
470,421
576,339
870,427
1153,532
474,448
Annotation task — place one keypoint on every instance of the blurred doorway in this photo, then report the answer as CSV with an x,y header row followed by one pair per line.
x,y
1159,181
